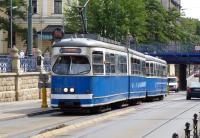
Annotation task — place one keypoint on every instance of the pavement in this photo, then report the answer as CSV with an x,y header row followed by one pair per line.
x,y
19,109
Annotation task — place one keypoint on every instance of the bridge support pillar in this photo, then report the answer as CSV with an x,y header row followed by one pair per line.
x,y
182,77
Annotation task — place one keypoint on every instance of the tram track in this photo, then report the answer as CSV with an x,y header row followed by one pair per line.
x,y
169,120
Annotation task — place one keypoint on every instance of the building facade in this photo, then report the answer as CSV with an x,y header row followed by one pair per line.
x,y
47,16
168,4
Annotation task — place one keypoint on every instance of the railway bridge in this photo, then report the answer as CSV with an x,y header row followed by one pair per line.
x,y
182,55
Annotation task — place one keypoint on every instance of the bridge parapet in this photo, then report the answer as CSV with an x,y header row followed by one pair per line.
x,y
164,48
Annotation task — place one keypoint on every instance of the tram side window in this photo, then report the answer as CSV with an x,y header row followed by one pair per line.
x,y
122,64
97,57
159,70
107,63
156,70
136,66
117,63
151,69
147,69
112,63
143,68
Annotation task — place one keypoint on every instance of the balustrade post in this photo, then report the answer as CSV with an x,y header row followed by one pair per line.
x,y
175,135
16,68
195,121
40,60
187,130
15,60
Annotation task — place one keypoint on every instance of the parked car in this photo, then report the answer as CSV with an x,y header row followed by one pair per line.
x,y
173,84
197,74
193,90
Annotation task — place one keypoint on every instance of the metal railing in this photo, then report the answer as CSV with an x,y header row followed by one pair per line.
x,y
5,64
28,64
164,48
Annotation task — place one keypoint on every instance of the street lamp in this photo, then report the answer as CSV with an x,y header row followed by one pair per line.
x,y
11,22
30,30
11,25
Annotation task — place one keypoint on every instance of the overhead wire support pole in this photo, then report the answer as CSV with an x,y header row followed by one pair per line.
x,y
30,30
84,19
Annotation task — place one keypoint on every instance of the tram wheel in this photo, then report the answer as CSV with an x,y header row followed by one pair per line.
x,y
161,97
95,110
132,102
116,105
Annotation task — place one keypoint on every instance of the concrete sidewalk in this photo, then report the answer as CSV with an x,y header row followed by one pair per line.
x,y
13,110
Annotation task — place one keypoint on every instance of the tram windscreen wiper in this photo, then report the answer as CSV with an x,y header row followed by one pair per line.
x,y
84,72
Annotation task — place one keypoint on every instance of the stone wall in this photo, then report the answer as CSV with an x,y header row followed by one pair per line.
x,y
20,85
7,87
28,86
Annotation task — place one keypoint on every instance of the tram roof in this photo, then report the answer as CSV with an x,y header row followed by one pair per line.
x,y
87,42
150,58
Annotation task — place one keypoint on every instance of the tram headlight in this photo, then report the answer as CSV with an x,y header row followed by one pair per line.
x,y
71,89
66,90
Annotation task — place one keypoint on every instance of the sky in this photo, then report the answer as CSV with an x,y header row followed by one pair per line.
x,y
191,8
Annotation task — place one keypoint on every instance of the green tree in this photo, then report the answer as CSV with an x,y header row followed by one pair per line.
x,y
72,19
173,26
190,30
19,12
156,22
115,19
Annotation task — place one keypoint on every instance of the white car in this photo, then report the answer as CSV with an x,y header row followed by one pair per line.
x,y
173,84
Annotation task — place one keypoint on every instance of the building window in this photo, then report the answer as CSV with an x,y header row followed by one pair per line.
x,y
34,3
58,6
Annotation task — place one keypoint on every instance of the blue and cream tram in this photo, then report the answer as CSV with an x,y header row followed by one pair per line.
x,y
92,73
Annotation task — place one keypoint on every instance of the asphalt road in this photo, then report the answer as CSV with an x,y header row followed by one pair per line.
x,y
158,119
148,120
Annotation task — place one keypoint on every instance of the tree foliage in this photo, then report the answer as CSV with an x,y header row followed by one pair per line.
x,y
18,11
146,21
116,19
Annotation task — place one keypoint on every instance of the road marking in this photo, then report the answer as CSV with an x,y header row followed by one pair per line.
x,y
83,123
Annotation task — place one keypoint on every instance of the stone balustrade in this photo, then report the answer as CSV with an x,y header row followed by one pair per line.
x,y
19,85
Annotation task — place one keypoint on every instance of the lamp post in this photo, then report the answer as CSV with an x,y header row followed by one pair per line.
x,y
11,25
30,30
